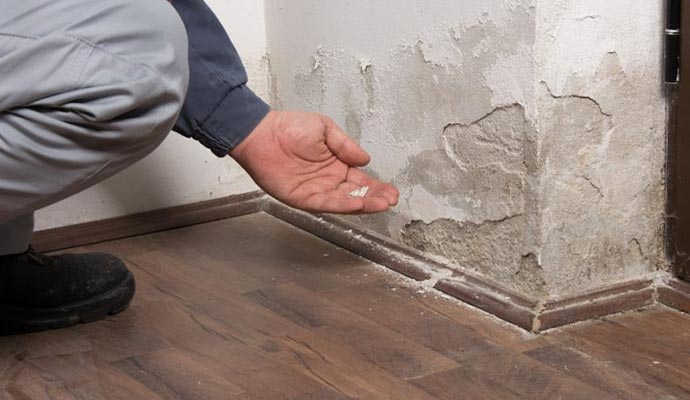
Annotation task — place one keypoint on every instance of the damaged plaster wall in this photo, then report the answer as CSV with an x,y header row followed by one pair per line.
x,y
601,117
443,98
526,136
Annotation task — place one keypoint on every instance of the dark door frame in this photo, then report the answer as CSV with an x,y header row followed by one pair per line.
x,y
678,155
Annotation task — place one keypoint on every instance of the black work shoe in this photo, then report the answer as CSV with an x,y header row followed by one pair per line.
x,y
39,292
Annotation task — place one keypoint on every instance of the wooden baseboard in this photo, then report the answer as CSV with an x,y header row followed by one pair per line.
x,y
541,316
675,294
147,222
471,289
626,296
475,290
349,236
515,309
468,287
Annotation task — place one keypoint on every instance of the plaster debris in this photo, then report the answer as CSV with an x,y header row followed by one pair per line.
x,y
361,192
364,65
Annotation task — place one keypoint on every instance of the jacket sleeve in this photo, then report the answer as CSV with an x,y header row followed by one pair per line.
x,y
220,110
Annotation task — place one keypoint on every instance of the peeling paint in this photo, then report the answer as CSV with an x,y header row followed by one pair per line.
x,y
311,86
492,248
602,123
481,168
526,136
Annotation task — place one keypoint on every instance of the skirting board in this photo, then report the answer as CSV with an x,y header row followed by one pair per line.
x,y
675,294
527,313
530,314
148,222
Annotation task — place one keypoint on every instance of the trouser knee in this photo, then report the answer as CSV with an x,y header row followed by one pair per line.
x,y
159,45
111,83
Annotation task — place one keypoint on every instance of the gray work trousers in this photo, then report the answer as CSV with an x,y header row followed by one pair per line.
x,y
87,88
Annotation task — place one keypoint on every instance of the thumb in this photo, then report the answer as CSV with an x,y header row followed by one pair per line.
x,y
343,146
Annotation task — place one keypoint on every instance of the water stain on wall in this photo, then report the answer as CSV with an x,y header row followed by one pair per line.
x,y
599,224
483,169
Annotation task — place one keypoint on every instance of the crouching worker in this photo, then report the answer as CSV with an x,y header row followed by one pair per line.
x,y
88,88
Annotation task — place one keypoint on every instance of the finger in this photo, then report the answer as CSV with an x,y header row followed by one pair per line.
x,y
343,147
333,203
336,202
376,187
373,205
390,193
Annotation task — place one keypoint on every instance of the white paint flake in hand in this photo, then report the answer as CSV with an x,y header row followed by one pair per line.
x,y
361,192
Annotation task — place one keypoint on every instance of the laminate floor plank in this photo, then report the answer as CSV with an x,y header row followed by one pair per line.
x,y
625,364
242,246
497,331
395,353
241,360
342,367
428,327
76,376
173,374
276,341
530,378
610,376
464,383
279,344
655,359
253,309
675,324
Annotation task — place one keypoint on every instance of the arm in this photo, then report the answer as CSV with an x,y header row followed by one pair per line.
x,y
220,110
301,159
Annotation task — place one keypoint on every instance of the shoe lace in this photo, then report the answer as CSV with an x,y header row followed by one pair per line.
x,y
35,256
30,255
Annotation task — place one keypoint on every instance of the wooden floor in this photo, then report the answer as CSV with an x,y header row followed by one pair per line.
x,y
251,308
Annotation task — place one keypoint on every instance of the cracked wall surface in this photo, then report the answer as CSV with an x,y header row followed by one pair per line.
x,y
525,136
602,123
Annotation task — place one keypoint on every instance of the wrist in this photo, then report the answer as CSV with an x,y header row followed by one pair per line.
x,y
239,152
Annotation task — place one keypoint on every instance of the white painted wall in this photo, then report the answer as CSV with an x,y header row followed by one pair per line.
x,y
181,171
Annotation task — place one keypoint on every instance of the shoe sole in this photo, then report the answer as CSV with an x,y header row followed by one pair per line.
x,y
17,320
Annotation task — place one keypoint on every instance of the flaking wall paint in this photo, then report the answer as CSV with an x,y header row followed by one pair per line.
x,y
181,171
526,136
602,124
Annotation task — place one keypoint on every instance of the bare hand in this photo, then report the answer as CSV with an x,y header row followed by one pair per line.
x,y
306,161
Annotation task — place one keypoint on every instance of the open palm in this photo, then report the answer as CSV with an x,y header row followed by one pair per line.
x,y
306,161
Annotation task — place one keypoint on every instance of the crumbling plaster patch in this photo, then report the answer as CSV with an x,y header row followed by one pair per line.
x,y
426,104
489,162
449,119
493,248
481,168
601,120
526,136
